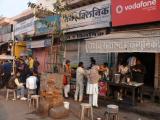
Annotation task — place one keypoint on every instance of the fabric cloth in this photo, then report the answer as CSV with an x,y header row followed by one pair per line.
x,y
93,100
138,72
93,74
92,88
21,91
67,71
80,73
19,84
66,90
92,85
79,90
31,82
31,63
123,69
7,67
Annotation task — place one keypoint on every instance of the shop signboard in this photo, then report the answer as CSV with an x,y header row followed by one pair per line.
x,y
90,17
122,45
47,25
24,27
125,12
39,44
85,34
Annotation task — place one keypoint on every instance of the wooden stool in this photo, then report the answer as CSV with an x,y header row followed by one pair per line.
x,y
112,112
11,91
87,107
32,100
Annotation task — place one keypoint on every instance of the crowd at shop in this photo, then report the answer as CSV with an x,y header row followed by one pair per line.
x,y
24,78
96,75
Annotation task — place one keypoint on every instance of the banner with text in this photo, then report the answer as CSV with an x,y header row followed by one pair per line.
x,y
93,16
145,44
25,27
125,12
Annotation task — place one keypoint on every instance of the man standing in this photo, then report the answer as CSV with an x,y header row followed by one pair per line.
x,y
138,72
67,78
92,86
80,73
31,84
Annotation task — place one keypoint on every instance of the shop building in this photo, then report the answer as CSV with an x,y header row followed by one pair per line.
x,y
135,32
41,41
23,28
94,20
6,35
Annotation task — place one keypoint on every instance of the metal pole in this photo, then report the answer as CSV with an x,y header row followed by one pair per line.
x,y
13,50
78,51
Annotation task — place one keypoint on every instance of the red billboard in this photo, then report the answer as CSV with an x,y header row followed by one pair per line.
x,y
126,12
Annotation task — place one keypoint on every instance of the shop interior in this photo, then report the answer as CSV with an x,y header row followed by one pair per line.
x,y
148,60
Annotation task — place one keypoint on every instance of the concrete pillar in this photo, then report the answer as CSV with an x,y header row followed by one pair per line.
x,y
157,71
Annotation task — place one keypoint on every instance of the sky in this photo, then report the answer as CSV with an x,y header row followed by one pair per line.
x,y
10,8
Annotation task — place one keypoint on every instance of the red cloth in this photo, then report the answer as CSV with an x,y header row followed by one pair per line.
x,y
65,82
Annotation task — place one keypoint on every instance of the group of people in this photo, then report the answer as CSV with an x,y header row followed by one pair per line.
x,y
25,77
131,69
92,75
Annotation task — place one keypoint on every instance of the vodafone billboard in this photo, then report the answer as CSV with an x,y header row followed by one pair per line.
x,y
125,12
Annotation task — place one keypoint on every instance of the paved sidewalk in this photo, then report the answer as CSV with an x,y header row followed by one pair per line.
x,y
124,115
18,110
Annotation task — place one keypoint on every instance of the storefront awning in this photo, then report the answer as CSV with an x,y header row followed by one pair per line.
x,y
39,44
123,42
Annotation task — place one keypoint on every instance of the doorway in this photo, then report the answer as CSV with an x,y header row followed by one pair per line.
x,y
148,60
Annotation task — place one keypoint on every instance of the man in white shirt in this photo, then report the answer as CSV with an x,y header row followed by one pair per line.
x,y
80,74
31,84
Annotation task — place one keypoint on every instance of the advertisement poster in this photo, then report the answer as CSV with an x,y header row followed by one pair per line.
x,y
126,12
47,25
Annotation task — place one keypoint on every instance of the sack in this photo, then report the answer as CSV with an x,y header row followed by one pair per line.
x,y
65,82
11,83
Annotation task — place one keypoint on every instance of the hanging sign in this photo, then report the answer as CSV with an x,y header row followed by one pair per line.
x,y
125,12
90,17
141,44
24,27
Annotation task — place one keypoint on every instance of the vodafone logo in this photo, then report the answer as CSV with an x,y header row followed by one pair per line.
x,y
119,9
137,5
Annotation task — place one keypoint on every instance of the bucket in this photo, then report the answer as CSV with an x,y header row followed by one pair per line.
x,y
66,105
98,119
